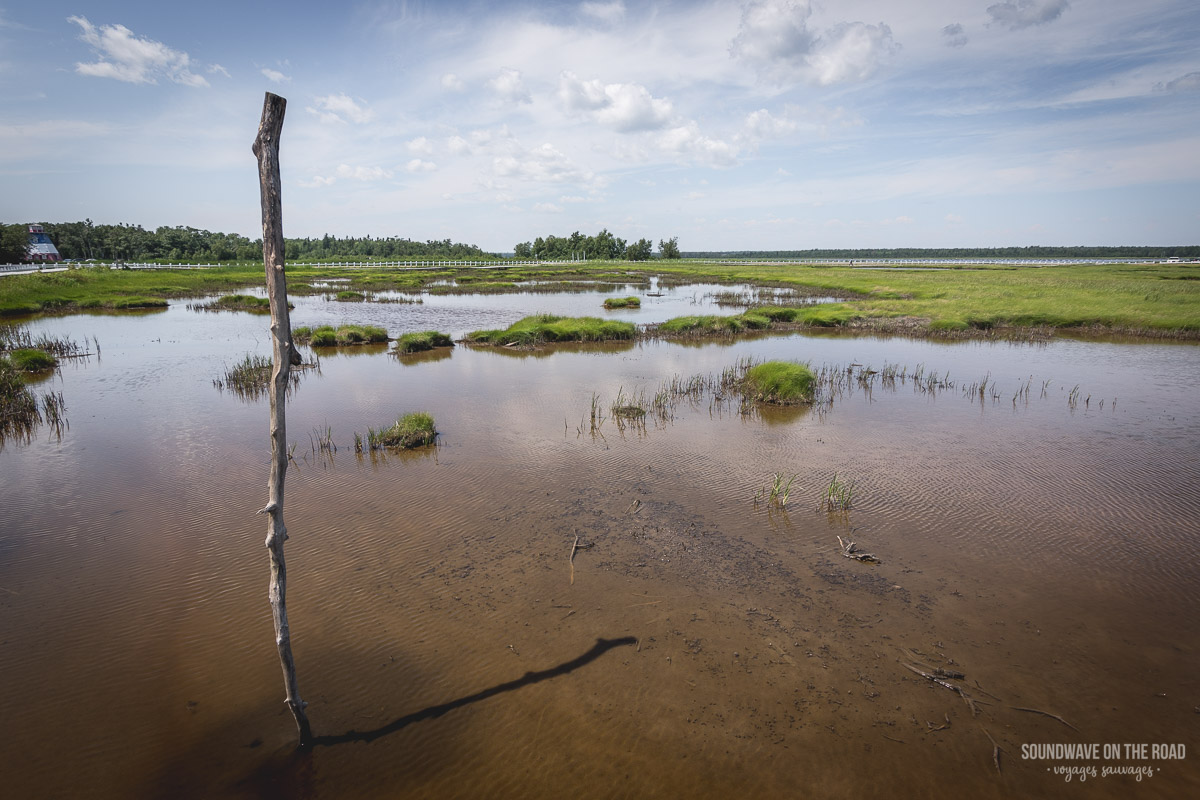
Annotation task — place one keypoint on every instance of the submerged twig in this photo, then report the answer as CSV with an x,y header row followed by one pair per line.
x,y
1045,714
995,751
571,560
946,685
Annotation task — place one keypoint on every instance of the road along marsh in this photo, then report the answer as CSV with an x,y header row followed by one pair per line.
x,y
537,602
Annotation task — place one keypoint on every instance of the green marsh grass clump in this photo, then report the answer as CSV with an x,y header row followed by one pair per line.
x,y
348,295
421,341
342,335
547,328
134,303
32,360
623,302
780,382
242,302
412,430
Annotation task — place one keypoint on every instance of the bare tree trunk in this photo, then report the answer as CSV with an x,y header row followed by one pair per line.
x,y
266,148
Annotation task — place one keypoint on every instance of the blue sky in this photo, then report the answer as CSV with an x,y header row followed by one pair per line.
x,y
757,125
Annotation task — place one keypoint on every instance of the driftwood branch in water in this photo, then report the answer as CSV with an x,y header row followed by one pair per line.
x,y
1045,714
266,148
850,550
995,751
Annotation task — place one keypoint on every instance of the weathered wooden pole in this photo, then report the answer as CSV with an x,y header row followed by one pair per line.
x,y
266,148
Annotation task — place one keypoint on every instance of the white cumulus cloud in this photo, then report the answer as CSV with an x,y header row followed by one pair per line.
x,y
274,75
775,37
123,56
340,108
509,86
624,106
420,146
544,164
687,143
419,165
453,82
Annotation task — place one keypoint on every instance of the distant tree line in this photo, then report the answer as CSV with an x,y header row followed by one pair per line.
x,y
604,246
1033,251
83,240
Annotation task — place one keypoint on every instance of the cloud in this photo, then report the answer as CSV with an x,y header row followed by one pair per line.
x,y
954,35
213,69
453,82
1184,83
418,165
687,143
420,146
605,12
338,108
458,146
626,107
274,75
1017,14
775,38
762,125
548,208
508,85
544,164
360,173
129,58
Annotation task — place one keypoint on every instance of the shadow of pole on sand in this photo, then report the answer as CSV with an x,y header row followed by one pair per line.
x,y
601,647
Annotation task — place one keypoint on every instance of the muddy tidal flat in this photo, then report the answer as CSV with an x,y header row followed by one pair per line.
x,y
1029,626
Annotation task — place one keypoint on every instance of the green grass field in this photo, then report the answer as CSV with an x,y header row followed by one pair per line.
x,y
1139,299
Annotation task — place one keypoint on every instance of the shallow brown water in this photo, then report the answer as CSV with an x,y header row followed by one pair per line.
x,y
707,646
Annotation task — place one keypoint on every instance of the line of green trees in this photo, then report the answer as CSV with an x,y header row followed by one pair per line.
x,y
83,240
1032,251
604,246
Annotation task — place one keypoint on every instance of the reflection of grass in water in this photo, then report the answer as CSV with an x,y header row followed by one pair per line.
x,y
415,429
19,413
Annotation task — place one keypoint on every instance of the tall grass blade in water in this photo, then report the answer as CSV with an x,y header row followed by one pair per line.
x,y
250,378
839,495
777,495
19,413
